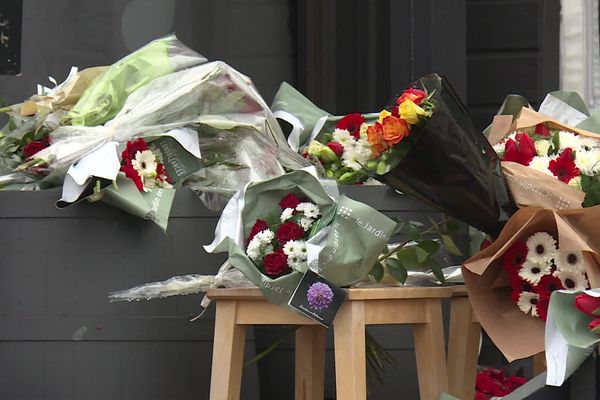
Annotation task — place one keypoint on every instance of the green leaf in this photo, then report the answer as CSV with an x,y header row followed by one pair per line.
x,y
413,233
422,255
433,265
452,225
555,143
451,246
377,272
591,187
434,225
396,269
408,258
430,246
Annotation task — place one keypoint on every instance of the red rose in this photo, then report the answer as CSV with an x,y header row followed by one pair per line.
x,y
133,146
564,167
289,201
289,231
520,151
415,95
587,304
32,148
259,226
542,130
351,123
337,148
594,325
275,263
132,174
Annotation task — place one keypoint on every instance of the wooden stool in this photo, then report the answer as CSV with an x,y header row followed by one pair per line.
x,y
463,345
421,307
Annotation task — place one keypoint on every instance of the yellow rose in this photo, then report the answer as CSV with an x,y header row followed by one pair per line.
x,y
410,112
383,114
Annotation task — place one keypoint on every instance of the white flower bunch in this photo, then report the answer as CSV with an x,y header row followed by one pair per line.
x,y
260,245
295,250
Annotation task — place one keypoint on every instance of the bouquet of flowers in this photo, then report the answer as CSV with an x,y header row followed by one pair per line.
x,y
537,267
572,332
276,229
424,145
538,252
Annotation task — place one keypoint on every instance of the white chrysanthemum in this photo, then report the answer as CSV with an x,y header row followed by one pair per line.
x,y
569,140
571,279
541,163
145,163
286,214
588,161
265,236
541,248
575,182
343,137
355,157
572,260
310,210
542,147
253,249
532,271
306,223
295,248
296,263
528,303
589,143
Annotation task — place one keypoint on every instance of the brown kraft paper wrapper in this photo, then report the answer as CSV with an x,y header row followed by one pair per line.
x,y
516,334
528,186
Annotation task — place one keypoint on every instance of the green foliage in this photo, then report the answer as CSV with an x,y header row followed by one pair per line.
x,y
377,272
591,186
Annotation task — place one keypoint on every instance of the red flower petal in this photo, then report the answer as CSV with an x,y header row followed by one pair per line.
x,y
351,123
521,150
32,148
587,304
542,130
564,167
275,263
132,148
259,226
289,231
289,201
132,174
337,148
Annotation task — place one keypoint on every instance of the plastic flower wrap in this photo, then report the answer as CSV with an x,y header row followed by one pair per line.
x,y
538,252
339,239
423,144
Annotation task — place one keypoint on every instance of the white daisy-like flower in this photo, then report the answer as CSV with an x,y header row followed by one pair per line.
x,y
528,303
571,279
294,248
265,236
572,260
310,210
286,214
145,163
542,147
589,143
568,139
306,223
575,182
532,271
343,137
253,249
541,248
588,161
541,163
355,157
296,263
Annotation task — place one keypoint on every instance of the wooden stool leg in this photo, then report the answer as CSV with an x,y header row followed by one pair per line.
x,y
431,353
350,358
228,353
463,349
310,362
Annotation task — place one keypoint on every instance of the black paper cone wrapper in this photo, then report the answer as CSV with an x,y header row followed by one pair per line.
x,y
452,166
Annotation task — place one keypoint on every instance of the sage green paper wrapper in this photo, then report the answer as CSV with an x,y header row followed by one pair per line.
x,y
349,250
568,340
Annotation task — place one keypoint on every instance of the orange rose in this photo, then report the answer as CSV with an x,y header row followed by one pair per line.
x,y
375,139
414,95
394,129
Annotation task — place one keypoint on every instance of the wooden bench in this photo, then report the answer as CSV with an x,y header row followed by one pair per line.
x,y
421,307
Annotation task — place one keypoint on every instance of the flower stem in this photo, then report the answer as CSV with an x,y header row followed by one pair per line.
x,y
403,244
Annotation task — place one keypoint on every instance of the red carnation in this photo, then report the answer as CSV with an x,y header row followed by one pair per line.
x,y
515,256
542,130
415,95
587,304
132,148
521,150
289,201
564,167
289,231
33,147
547,285
351,123
337,148
132,174
259,226
275,263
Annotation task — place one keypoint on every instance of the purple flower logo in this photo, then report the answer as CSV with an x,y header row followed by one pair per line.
x,y
319,295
